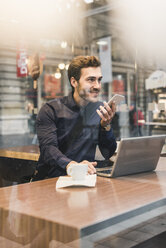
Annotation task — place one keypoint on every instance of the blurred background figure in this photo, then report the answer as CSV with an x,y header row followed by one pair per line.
x,y
131,119
138,119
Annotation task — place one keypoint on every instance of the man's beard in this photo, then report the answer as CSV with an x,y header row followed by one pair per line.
x,y
86,94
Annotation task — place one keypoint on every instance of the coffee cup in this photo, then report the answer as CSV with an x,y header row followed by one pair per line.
x,y
77,171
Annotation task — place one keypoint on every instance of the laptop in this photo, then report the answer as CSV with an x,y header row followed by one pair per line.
x,y
134,155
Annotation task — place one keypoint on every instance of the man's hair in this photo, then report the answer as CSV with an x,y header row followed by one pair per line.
x,y
80,62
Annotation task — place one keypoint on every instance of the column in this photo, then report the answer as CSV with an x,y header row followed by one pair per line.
x,y
13,116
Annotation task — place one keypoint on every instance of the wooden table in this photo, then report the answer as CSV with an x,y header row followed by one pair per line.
x,y
17,164
30,152
37,210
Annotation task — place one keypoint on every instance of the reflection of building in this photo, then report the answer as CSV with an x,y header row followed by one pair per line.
x,y
156,87
95,21
156,90
13,117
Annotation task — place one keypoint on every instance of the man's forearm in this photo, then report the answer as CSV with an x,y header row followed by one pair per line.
x,y
107,143
54,157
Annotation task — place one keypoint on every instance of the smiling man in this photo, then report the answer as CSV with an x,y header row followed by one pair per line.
x,y
70,128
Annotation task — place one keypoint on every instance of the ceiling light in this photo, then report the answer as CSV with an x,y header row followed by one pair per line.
x,y
61,66
63,44
101,42
57,75
88,1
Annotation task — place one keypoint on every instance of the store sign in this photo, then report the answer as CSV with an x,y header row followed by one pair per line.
x,y
52,86
118,87
156,80
21,63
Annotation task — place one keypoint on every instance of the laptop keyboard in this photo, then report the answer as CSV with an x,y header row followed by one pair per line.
x,y
104,167
103,163
105,171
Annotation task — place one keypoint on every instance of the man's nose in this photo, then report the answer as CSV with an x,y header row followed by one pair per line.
x,y
97,84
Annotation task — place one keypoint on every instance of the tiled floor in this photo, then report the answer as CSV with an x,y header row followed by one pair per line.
x,y
132,232
159,241
136,235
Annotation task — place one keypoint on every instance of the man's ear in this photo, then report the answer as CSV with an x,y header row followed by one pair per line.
x,y
73,82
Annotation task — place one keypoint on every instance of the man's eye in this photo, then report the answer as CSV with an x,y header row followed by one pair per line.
x,y
91,79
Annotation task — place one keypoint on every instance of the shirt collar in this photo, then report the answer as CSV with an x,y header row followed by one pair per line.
x,y
70,102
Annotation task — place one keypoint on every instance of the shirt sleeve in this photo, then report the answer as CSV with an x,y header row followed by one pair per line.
x,y
47,136
107,143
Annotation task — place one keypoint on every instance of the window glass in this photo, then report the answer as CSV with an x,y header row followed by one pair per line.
x,y
132,65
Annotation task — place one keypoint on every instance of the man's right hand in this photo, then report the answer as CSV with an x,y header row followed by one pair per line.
x,y
91,166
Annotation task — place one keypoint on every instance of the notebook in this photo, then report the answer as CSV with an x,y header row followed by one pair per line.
x,y
134,155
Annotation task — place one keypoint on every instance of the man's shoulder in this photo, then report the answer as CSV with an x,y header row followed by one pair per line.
x,y
51,106
55,102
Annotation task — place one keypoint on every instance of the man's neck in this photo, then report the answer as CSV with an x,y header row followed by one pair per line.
x,y
79,100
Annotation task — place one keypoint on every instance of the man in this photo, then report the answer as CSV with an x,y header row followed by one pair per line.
x,y
70,128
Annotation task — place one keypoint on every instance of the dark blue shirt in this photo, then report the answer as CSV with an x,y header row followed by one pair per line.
x,y
67,132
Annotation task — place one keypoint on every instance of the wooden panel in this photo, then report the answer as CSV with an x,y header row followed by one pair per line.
x,y
24,229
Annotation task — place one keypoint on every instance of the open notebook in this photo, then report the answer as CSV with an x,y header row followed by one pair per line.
x,y
134,155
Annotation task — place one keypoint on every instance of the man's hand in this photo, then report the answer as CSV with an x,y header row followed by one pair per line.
x,y
91,168
68,165
106,113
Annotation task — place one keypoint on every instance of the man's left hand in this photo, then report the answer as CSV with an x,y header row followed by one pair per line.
x,y
106,113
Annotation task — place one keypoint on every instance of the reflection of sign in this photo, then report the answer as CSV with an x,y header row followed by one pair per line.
x,y
21,63
156,80
52,86
118,87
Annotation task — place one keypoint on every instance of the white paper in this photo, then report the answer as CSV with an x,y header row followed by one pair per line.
x,y
66,181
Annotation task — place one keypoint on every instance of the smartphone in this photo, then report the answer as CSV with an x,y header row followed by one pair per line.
x,y
117,99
